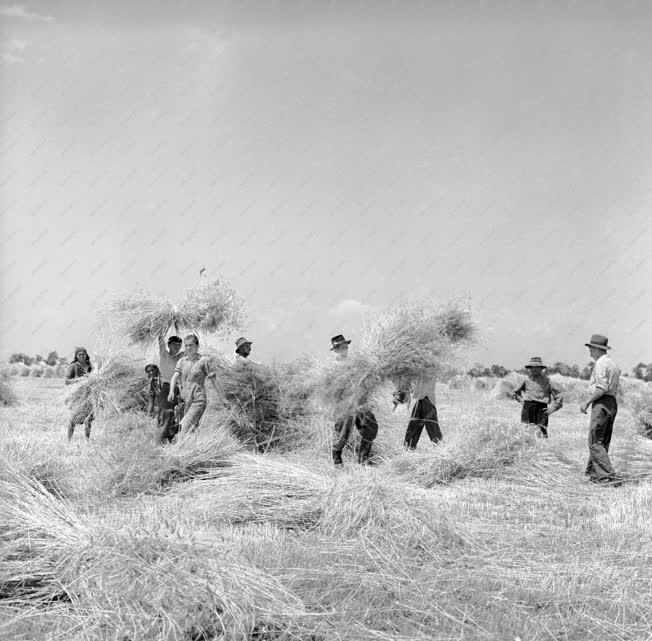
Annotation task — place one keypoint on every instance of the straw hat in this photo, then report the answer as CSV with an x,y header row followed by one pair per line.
x,y
535,361
599,341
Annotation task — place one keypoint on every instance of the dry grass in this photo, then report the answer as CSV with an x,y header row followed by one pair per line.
x,y
135,464
408,340
491,534
115,385
265,405
212,307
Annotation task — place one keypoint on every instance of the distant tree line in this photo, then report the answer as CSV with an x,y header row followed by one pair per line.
x,y
643,371
52,359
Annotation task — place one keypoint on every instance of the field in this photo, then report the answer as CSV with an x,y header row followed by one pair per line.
x,y
493,534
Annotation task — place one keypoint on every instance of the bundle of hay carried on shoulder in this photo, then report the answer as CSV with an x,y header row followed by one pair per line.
x,y
114,386
212,307
265,404
398,347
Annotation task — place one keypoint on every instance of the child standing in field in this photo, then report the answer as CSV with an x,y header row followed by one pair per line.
x,y
153,389
535,394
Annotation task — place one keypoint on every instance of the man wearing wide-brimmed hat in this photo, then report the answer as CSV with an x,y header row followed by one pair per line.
x,y
538,396
603,387
364,420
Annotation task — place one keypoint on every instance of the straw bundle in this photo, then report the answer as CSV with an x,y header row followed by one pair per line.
x,y
344,387
136,467
48,371
460,382
573,389
502,390
114,385
260,489
212,307
36,370
408,340
22,370
141,582
483,451
265,405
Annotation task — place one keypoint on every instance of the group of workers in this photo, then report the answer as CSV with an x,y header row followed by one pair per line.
x,y
177,397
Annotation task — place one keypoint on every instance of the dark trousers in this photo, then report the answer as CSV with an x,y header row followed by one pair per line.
x,y
367,427
603,415
166,421
534,413
424,414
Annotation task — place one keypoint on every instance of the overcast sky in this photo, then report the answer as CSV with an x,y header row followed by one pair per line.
x,y
329,159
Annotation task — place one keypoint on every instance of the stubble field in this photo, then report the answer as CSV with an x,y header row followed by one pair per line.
x,y
493,534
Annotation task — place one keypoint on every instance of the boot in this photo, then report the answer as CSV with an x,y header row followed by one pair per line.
x,y
337,459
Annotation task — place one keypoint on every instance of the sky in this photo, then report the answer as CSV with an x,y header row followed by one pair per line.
x,y
330,159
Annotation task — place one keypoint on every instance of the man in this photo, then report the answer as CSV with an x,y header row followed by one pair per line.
x,y
603,386
535,393
424,412
242,352
168,359
364,420
191,372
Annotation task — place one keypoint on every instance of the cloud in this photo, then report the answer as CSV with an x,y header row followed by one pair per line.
x,y
349,307
12,51
21,12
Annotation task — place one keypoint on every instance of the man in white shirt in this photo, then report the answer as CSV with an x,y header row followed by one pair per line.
x,y
168,359
603,386
424,412
242,352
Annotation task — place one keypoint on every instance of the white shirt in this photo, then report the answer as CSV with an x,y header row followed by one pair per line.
x,y
605,375
167,362
241,361
424,386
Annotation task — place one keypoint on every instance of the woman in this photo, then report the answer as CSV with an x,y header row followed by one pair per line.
x,y
80,366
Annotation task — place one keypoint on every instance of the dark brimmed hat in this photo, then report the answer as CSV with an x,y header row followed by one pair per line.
x,y
599,341
535,361
150,365
338,341
174,339
242,341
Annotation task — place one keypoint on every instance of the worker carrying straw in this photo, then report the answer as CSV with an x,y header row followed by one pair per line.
x,y
363,419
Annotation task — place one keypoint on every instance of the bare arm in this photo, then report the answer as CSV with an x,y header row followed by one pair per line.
x,y
173,383
599,393
557,400
70,374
